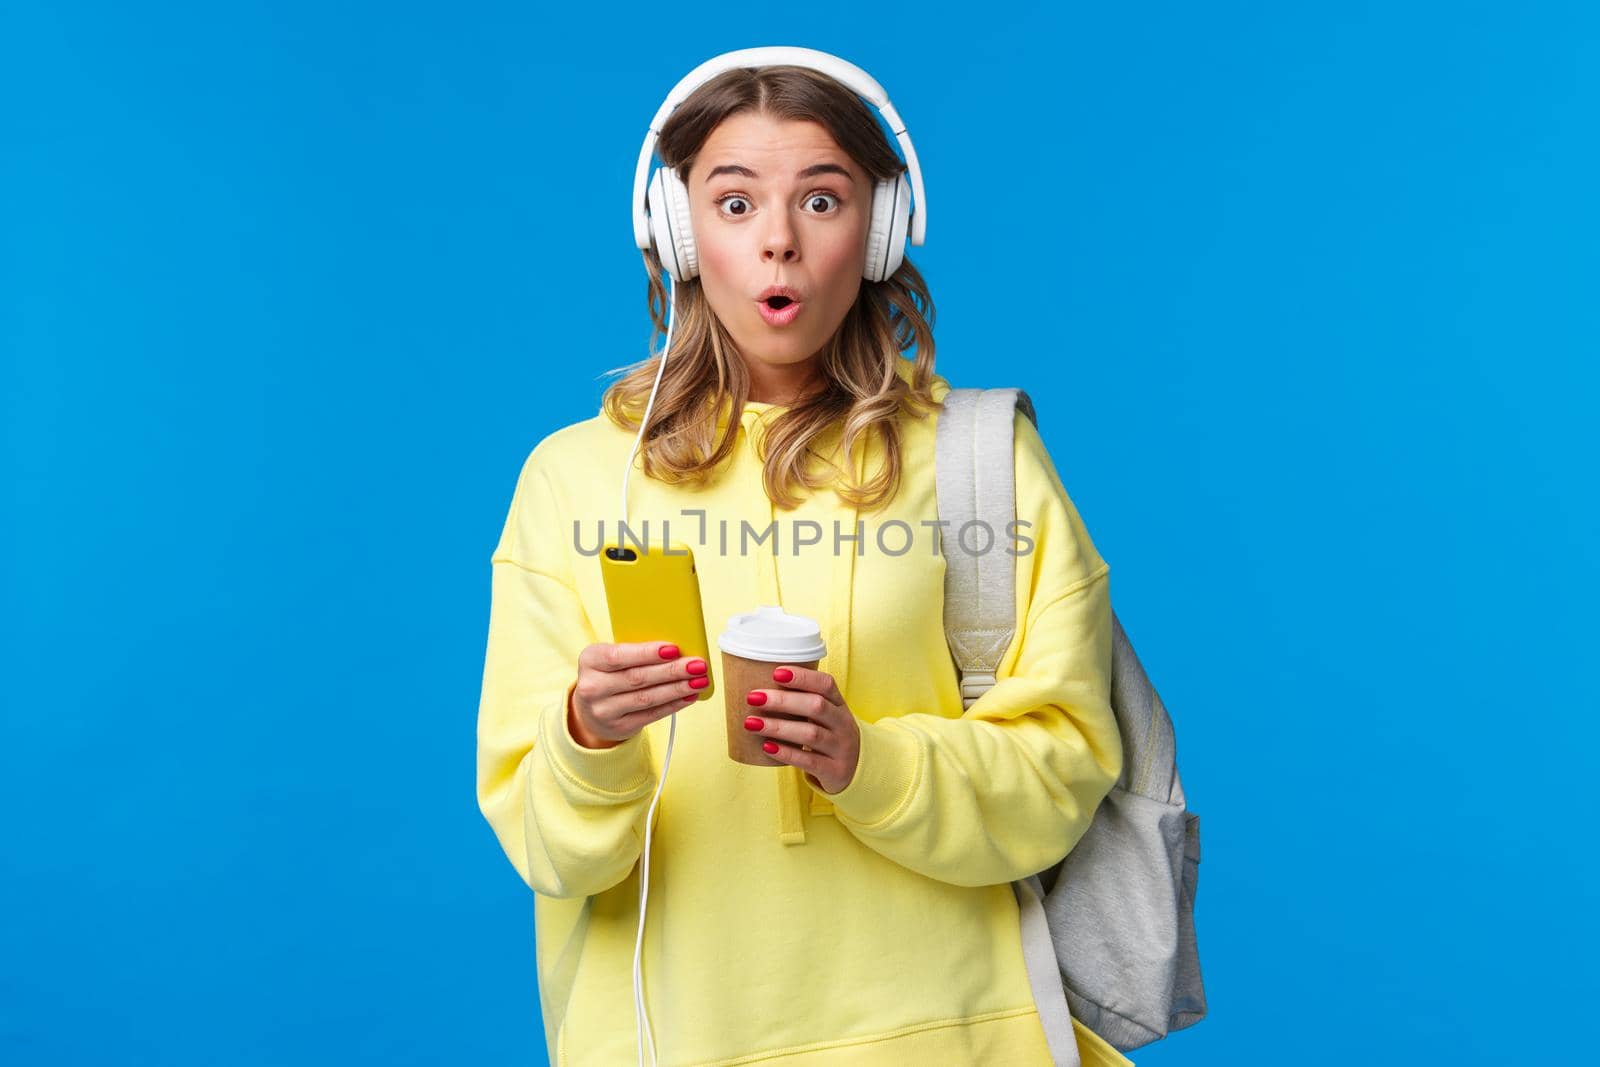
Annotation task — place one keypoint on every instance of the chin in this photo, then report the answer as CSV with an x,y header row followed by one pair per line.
x,y
778,346
783,353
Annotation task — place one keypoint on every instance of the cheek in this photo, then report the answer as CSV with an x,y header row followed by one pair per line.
x,y
717,260
845,260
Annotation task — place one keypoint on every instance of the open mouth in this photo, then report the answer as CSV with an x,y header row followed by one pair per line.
x,y
778,310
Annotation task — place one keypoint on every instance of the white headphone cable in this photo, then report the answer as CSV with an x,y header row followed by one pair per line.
x,y
640,1015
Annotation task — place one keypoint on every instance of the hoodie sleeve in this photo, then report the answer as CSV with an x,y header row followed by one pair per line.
x,y
1007,789
570,818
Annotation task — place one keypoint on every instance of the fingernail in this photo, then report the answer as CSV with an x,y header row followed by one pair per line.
x,y
770,746
668,651
755,696
782,674
695,666
699,683
753,723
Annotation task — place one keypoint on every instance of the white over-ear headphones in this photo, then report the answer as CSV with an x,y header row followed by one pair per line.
x,y
666,223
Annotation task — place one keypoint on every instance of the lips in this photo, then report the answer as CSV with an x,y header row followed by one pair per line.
x,y
774,291
780,316
779,304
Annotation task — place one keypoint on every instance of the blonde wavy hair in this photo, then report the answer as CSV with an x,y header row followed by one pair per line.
x,y
704,372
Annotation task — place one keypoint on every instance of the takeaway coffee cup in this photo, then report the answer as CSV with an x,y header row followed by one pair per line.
x,y
753,643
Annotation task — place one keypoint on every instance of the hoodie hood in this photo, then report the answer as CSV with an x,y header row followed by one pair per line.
x,y
745,498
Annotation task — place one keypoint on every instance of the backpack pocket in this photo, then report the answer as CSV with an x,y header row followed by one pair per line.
x,y
1118,913
1188,993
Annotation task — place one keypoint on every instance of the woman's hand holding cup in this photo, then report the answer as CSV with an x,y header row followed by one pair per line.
x,y
622,688
825,742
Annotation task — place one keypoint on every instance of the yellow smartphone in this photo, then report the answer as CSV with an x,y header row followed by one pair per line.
x,y
653,594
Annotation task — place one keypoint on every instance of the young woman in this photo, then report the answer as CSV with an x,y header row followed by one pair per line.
x,y
853,905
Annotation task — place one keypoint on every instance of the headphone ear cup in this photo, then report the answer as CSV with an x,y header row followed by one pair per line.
x,y
891,221
670,225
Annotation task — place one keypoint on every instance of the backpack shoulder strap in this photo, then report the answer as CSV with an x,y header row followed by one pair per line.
x,y
975,482
1117,913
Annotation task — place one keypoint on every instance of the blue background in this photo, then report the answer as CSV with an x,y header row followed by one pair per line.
x,y
1305,295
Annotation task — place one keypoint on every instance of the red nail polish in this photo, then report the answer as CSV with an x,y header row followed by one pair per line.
x,y
770,746
695,666
753,723
756,697
668,651
782,674
699,683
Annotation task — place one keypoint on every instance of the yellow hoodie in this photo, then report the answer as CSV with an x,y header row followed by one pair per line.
x,y
786,926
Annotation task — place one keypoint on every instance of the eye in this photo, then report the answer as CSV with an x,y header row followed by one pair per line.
x,y
727,199
814,197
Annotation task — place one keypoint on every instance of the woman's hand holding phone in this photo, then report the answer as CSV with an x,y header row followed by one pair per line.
x,y
622,688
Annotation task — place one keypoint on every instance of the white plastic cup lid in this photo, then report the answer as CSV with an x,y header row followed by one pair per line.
x,y
772,635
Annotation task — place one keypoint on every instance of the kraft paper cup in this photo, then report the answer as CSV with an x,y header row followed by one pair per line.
x,y
753,643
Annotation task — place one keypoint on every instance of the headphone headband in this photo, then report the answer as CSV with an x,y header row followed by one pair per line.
x,y
847,73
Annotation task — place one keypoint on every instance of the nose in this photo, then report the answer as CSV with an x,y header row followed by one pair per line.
x,y
779,242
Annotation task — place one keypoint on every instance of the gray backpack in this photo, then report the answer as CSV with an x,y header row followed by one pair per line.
x,y
1108,931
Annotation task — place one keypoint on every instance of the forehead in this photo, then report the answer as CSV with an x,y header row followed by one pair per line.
x,y
750,138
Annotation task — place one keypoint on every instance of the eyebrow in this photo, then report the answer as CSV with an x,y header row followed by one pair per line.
x,y
811,171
